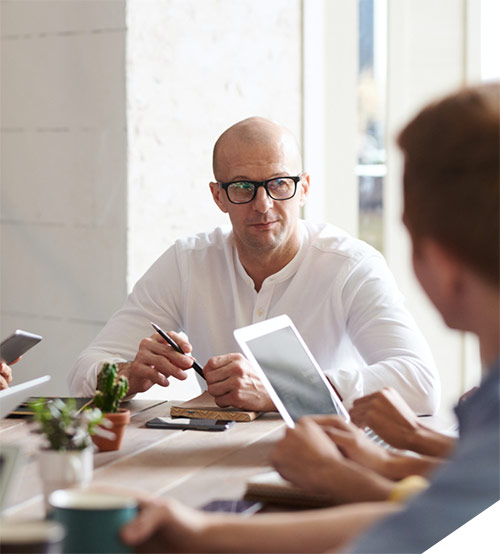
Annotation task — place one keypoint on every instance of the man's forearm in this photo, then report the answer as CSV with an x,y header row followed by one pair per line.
x,y
312,531
354,483
431,443
400,466
124,369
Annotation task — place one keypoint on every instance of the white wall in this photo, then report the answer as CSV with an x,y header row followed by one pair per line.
x,y
109,114
330,54
63,176
193,69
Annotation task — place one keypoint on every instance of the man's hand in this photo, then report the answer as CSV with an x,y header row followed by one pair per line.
x,y
355,445
5,376
393,420
388,415
164,526
232,381
155,362
308,458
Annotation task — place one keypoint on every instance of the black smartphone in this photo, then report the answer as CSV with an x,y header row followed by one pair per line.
x,y
187,423
16,345
243,507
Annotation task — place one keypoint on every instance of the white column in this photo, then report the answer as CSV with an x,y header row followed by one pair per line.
x,y
63,196
330,110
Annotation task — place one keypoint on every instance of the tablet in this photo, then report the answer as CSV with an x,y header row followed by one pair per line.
x,y
288,370
17,344
13,396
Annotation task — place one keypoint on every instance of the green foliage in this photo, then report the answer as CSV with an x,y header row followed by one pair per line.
x,y
63,426
110,388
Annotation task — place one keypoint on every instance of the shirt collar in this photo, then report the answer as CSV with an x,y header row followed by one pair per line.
x,y
284,273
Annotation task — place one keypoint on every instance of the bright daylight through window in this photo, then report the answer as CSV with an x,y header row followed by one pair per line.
x,y
371,168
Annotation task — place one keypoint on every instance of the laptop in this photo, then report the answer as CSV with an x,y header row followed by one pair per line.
x,y
288,370
12,397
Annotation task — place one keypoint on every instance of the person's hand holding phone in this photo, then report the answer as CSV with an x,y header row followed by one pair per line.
x,y
156,361
5,375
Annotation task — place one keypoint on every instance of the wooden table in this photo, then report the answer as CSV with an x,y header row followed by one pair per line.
x,y
194,467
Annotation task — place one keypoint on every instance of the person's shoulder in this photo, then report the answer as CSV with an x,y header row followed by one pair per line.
x,y
328,238
215,238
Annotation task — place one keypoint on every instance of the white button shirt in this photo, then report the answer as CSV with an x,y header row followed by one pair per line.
x,y
337,290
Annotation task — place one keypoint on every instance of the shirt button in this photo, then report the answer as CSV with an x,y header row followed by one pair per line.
x,y
260,312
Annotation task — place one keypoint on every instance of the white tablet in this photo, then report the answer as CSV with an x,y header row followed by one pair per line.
x,y
11,397
288,370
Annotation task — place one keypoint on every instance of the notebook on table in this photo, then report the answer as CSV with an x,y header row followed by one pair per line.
x,y
204,407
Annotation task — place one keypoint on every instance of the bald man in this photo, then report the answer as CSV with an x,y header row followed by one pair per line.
x,y
337,290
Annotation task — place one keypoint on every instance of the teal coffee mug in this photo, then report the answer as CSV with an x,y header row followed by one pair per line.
x,y
92,520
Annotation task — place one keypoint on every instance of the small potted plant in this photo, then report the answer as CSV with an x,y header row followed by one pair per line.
x,y
111,389
66,459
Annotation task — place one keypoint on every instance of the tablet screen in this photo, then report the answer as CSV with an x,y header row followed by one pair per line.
x,y
292,374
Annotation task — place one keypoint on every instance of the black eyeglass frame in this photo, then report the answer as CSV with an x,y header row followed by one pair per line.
x,y
257,184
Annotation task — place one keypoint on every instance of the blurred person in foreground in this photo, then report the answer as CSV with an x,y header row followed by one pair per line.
x,y
451,209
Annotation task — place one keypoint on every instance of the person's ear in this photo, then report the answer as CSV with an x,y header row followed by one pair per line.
x,y
446,268
218,194
305,184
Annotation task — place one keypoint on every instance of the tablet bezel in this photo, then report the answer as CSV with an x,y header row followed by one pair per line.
x,y
262,328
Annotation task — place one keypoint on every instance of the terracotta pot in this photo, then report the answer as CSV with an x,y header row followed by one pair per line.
x,y
119,421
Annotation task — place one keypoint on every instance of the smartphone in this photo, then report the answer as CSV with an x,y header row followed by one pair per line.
x,y
188,423
242,507
16,345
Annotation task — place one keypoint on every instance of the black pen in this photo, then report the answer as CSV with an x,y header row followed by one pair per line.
x,y
196,366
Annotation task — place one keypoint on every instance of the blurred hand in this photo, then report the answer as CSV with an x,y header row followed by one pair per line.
x,y
232,381
388,415
156,361
5,375
164,526
308,458
354,444
306,455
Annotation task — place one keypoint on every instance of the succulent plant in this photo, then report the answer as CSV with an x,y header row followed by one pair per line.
x,y
63,425
110,389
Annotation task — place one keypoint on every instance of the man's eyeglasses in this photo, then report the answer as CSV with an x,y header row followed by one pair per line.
x,y
278,188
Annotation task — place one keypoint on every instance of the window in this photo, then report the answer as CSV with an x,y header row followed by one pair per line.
x,y
371,158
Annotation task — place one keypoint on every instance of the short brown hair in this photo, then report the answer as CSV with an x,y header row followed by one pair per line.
x,y
452,176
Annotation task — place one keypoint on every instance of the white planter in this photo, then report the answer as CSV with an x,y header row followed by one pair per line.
x,y
63,470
